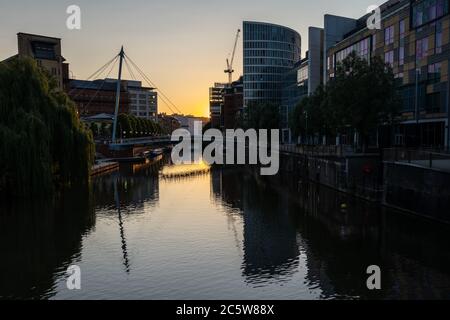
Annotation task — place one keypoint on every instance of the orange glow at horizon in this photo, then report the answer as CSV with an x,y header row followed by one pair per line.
x,y
182,46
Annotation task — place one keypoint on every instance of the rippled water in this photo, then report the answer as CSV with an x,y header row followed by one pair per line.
x,y
165,232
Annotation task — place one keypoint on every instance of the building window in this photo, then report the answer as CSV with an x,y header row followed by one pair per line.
x,y
389,58
374,42
303,74
401,56
422,48
402,28
44,50
426,11
389,35
361,48
438,45
434,72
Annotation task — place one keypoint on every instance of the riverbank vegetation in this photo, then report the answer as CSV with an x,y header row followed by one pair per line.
x,y
43,145
362,96
134,127
128,126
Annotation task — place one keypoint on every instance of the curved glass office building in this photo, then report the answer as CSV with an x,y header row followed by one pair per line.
x,y
269,52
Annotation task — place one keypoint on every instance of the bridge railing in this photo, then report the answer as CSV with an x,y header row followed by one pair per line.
x,y
143,139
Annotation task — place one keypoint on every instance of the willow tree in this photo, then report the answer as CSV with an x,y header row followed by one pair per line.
x,y
43,145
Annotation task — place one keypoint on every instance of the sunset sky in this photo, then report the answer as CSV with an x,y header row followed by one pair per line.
x,y
181,45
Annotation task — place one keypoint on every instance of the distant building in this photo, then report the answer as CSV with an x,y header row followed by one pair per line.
x,y
269,52
215,104
168,123
188,122
233,103
303,79
143,100
98,97
47,53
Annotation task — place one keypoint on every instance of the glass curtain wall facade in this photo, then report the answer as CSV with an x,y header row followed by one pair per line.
x,y
269,52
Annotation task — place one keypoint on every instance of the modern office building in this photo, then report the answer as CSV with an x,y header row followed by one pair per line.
x,y
269,52
216,104
415,40
47,53
143,100
302,80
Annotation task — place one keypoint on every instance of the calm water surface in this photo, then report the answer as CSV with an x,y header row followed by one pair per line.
x,y
167,232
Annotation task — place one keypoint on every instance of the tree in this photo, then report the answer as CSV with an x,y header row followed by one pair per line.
x,y
43,145
133,126
363,94
312,117
94,128
124,125
260,115
104,130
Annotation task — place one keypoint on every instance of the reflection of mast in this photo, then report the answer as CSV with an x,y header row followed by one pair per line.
x,y
232,221
126,262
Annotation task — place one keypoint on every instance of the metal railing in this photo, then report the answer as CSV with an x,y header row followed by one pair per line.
x,y
318,150
428,158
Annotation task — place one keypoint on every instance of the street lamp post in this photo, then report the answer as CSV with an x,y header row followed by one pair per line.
x,y
417,106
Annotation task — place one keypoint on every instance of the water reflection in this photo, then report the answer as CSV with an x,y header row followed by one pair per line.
x,y
158,231
134,186
270,238
126,261
339,237
39,241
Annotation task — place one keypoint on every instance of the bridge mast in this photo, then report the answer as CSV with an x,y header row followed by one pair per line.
x,y
121,55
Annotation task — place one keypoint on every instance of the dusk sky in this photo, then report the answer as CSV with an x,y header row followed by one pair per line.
x,y
181,45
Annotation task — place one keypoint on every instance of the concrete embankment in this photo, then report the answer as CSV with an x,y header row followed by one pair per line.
x,y
409,187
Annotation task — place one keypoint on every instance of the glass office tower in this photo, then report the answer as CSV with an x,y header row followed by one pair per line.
x,y
269,52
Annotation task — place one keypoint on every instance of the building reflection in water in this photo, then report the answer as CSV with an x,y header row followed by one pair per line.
x,y
271,251
338,237
293,239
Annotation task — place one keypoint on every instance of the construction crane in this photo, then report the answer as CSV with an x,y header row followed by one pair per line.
x,y
229,69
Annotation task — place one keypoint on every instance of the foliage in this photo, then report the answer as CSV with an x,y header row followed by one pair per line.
x,y
43,145
362,95
132,127
260,115
94,128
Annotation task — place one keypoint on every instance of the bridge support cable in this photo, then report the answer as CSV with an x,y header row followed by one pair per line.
x,y
130,71
151,83
103,83
97,73
119,79
162,98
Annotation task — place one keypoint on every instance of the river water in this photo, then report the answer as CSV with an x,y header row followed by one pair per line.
x,y
192,232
